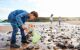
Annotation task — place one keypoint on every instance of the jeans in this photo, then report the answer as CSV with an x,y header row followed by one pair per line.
x,y
15,30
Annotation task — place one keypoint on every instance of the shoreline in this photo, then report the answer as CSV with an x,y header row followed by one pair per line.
x,y
6,27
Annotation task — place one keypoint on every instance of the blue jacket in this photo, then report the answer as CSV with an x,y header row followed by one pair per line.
x,y
18,16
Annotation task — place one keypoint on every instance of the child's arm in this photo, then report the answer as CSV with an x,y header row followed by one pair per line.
x,y
18,18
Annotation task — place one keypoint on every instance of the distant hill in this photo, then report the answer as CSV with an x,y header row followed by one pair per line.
x,y
40,19
46,19
0,20
6,20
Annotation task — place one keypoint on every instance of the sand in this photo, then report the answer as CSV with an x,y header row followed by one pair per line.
x,y
5,28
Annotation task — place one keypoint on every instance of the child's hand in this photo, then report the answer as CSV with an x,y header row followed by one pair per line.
x,y
31,25
24,27
26,30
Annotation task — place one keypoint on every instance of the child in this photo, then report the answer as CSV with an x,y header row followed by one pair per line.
x,y
17,19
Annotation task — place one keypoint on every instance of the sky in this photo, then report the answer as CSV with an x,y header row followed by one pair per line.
x,y
62,8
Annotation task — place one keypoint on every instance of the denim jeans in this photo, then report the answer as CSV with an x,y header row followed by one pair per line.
x,y
15,30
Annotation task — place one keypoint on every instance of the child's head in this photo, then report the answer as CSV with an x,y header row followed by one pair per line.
x,y
33,15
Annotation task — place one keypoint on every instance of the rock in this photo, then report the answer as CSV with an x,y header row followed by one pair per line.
x,y
70,46
62,46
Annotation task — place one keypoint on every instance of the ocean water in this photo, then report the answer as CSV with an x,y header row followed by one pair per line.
x,y
4,24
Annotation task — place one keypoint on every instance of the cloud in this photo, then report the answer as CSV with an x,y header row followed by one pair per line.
x,y
4,12
57,7
63,8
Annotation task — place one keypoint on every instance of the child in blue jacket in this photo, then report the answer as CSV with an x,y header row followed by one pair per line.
x,y
17,19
